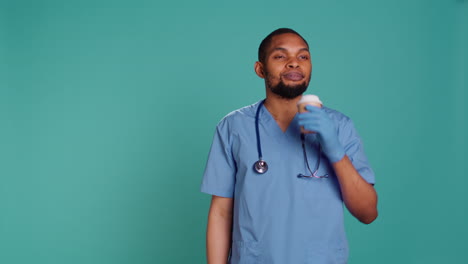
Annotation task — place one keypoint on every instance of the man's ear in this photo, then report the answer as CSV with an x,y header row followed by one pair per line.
x,y
259,69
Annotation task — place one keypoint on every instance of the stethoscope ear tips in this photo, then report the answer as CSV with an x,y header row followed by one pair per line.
x,y
261,166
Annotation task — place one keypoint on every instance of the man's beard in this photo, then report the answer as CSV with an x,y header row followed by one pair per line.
x,y
286,91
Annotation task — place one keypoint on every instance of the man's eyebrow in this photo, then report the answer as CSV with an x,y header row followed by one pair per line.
x,y
283,49
280,48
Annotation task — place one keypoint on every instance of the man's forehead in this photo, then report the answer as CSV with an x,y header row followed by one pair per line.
x,y
288,41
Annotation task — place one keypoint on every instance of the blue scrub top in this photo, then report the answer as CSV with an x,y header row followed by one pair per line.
x,y
279,218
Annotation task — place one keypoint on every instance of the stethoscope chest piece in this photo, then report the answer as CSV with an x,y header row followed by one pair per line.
x,y
261,166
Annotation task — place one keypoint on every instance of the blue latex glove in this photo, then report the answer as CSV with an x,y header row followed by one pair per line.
x,y
317,120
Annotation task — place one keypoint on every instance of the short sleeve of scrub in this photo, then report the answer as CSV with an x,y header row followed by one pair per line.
x,y
220,170
355,151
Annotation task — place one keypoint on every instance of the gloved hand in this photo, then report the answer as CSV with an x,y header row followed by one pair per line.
x,y
317,120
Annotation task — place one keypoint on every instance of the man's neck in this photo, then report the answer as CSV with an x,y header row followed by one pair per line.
x,y
283,110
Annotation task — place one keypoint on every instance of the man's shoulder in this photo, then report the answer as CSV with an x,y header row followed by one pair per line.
x,y
336,115
241,114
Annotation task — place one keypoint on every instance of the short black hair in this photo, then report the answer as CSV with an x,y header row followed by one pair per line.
x,y
267,40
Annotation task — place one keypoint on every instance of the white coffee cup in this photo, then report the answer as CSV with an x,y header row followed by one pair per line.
x,y
308,99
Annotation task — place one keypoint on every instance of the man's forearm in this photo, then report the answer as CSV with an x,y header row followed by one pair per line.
x,y
359,196
218,236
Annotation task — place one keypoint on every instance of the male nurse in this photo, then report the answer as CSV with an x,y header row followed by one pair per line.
x,y
291,210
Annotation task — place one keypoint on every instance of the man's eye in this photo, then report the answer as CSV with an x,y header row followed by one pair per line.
x,y
278,57
304,57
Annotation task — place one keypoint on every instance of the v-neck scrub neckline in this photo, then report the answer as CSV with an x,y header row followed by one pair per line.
x,y
267,117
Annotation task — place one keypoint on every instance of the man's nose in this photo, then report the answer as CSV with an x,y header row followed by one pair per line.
x,y
292,63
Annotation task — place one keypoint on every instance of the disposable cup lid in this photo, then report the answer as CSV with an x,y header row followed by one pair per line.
x,y
309,98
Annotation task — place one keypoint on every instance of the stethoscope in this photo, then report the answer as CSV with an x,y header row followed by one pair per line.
x,y
261,166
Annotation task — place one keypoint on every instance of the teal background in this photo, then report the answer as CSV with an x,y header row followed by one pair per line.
x,y
108,109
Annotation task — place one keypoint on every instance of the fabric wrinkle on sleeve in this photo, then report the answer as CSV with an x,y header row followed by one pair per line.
x,y
355,150
220,170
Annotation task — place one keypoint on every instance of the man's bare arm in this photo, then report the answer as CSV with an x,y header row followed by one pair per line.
x,y
359,196
218,234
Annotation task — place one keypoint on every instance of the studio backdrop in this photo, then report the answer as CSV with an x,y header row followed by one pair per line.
x,y
108,109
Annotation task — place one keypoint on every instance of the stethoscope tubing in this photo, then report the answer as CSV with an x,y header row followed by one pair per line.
x,y
257,130
261,166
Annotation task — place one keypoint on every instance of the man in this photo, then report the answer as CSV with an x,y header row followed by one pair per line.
x,y
281,216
